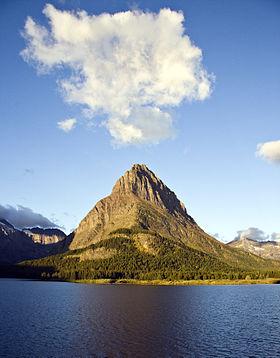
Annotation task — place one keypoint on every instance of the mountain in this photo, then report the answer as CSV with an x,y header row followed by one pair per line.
x,y
265,249
142,230
18,245
140,200
138,193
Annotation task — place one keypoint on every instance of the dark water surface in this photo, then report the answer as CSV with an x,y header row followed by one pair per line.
x,y
51,319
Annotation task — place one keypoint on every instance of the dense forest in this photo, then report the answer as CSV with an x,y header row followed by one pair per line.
x,y
120,257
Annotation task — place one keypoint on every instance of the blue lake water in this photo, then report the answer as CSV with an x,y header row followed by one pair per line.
x,y
53,319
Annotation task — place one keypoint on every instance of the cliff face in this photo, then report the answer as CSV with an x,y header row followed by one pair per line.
x,y
45,236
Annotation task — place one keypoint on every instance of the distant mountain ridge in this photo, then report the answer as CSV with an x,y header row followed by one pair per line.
x,y
4,223
18,245
265,249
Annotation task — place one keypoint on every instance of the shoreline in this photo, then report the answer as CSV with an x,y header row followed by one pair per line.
x,y
222,282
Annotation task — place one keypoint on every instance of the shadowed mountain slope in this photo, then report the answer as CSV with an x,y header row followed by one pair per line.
x,y
18,245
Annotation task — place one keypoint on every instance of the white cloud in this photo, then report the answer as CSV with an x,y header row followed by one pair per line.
x,y
219,237
256,235
275,236
130,66
252,233
269,151
67,124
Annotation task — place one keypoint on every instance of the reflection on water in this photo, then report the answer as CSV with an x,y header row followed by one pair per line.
x,y
49,319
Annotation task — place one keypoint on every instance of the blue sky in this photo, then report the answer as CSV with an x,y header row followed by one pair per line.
x,y
210,163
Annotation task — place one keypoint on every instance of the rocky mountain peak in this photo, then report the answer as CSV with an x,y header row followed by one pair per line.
x,y
142,182
138,199
5,227
4,222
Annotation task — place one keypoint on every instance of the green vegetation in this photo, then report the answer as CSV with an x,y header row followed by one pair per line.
x,y
268,281
158,259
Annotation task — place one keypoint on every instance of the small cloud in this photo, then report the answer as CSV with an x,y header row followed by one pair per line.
x,y
269,151
275,236
28,171
219,237
67,124
22,217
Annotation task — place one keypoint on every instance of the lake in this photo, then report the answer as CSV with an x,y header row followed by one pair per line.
x,y
56,319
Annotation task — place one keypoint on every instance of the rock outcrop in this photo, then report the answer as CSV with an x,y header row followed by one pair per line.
x,y
143,183
45,236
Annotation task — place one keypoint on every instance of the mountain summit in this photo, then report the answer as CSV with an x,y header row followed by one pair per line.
x,y
138,199
143,183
